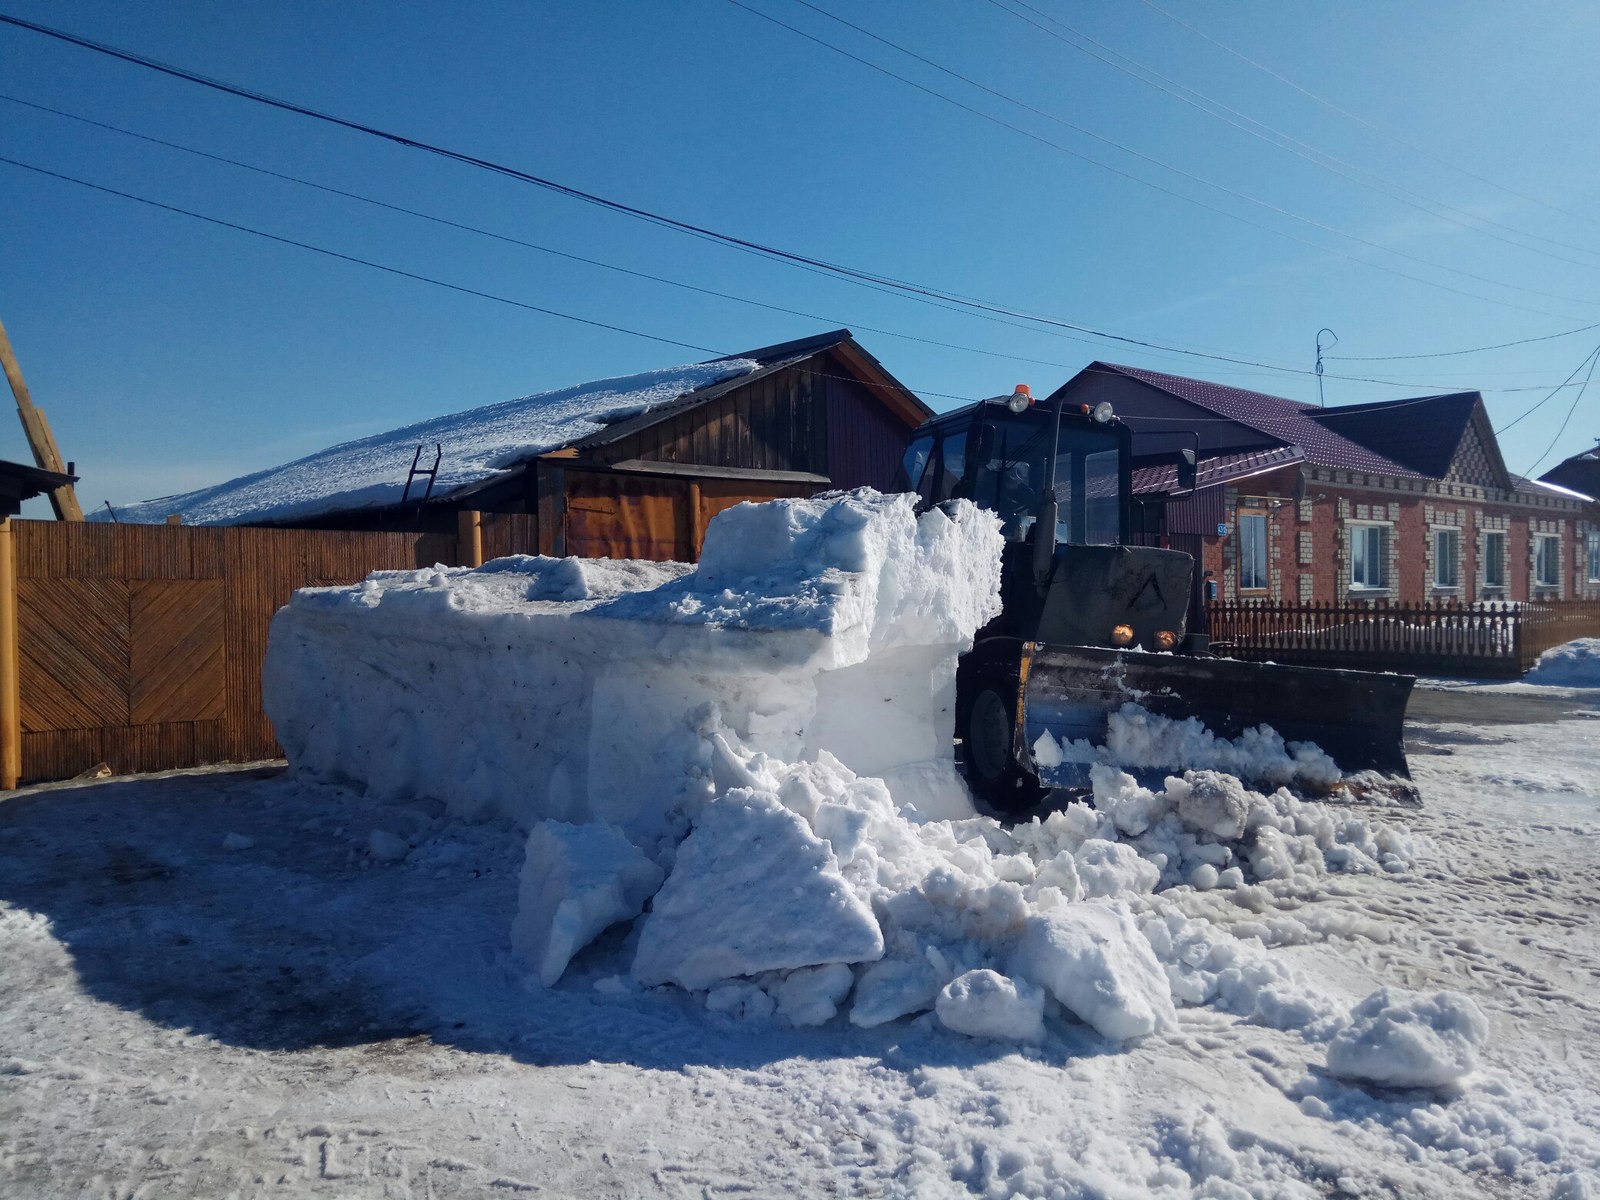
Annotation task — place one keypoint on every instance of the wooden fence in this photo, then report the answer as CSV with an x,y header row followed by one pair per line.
x,y
140,646
1444,638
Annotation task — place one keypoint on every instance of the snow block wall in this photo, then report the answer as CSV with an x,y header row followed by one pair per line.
x,y
579,690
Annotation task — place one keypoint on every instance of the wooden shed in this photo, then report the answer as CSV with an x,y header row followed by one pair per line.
x,y
819,413
631,467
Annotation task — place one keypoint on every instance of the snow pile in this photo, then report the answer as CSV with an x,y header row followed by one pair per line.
x,y
1138,738
1574,664
803,889
1406,1039
371,472
575,691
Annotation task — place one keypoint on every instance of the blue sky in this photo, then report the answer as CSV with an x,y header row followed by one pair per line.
x,y
171,354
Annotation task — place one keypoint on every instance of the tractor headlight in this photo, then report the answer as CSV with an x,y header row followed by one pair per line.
x,y
1020,399
1122,635
1102,411
1166,639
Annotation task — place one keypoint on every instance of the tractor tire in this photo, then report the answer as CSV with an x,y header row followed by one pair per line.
x,y
992,770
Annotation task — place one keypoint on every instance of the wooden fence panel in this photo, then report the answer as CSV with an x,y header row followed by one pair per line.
x,y
141,646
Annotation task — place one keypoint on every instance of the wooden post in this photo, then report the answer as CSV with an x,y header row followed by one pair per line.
x,y
40,440
10,691
469,537
697,528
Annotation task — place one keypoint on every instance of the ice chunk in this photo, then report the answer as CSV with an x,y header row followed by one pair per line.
x,y
742,1001
576,881
387,846
986,1004
1409,1039
893,988
752,890
1093,959
1211,802
812,995
1112,868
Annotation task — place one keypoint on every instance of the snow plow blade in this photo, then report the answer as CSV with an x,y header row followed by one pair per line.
x,y
1357,717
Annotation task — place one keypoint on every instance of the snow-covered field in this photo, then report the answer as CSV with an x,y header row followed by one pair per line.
x,y
225,984
700,909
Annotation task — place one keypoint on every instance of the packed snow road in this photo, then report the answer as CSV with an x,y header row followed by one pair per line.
x,y
236,984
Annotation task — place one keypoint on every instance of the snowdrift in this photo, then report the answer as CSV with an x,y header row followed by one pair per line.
x,y
580,690
1573,664
749,761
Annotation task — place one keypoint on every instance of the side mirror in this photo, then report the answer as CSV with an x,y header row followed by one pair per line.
x,y
1188,470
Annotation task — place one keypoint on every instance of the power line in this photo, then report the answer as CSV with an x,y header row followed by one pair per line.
x,y
1179,171
617,328
861,278
1546,337
1260,130
1378,129
1571,408
1553,391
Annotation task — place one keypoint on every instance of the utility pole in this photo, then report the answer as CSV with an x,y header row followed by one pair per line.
x,y
1321,403
40,440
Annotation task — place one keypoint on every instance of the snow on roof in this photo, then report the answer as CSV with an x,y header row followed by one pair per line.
x,y
1534,486
371,472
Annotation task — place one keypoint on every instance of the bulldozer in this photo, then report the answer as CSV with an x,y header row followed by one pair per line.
x,y
1090,622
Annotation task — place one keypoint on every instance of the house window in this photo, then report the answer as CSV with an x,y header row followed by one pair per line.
x,y
1252,550
1446,558
1594,558
1494,560
1369,566
1547,561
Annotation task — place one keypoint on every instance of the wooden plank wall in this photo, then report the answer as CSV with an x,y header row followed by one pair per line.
x,y
140,646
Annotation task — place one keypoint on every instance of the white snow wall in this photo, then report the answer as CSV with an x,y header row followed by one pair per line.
x,y
593,690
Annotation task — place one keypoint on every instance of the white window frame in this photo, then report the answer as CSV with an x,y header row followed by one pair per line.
x,y
1365,530
1594,556
1540,542
1491,559
1265,583
1452,538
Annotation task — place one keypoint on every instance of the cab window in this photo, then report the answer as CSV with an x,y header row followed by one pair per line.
x,y
953,454
911,466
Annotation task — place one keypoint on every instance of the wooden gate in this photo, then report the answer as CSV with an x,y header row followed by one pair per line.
x,y
140,646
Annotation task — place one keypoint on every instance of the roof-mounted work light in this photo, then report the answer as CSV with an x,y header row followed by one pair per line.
x,y
1102,411
1021,399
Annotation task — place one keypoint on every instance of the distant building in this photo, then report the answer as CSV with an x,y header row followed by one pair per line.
x,y
628,467
1401,500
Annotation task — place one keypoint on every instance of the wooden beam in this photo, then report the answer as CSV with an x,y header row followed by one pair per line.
x,y
469,537
41,441
10,690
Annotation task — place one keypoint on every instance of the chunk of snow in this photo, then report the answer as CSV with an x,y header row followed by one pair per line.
x,y
1096,962
986,1004
1401,1038
237,841
588,690
1113,869
752,890
386,846
812,995
1574,664
741,1001
577,880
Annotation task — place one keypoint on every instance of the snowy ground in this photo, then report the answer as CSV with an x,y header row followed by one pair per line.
x,y
223,984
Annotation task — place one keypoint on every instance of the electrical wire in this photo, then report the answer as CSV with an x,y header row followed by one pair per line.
x,y
1571,408
1553,392
1179,171
1284,141
1359,120
1546,337
1438,389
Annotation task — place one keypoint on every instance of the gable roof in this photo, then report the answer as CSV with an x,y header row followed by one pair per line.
x,y
1426,433
1581,472
479,444
1288,421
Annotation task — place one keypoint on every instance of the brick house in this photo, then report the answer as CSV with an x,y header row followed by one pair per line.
x,y
1400,500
